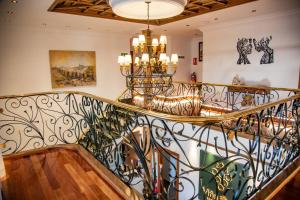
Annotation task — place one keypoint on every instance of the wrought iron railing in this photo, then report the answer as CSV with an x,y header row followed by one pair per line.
x,y
227,156
205,99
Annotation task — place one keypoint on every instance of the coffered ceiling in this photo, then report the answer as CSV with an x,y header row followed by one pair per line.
x,y
101,9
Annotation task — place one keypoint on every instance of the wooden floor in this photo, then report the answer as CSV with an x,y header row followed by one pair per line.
x,y
290,191
56,174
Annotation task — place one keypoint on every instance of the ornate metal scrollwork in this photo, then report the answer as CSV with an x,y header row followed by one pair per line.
x,y
205,100
37,121
163,159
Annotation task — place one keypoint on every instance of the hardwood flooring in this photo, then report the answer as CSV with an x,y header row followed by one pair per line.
x,y
64,174
54,174
290,191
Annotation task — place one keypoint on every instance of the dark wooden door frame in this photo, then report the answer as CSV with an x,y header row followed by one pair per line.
x,y
176,156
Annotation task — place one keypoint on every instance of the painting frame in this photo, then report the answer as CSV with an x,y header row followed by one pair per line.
x,y
71,68
200,53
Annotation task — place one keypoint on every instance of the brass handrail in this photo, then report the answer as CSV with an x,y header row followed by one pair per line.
x,y
227,85
187,119
240,86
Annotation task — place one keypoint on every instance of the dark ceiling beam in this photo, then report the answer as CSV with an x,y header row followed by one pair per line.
x,y
72,7
215,2
200,5
99,1
191,11
224,3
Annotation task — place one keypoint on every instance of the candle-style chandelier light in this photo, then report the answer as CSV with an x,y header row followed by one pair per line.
x,y
148,69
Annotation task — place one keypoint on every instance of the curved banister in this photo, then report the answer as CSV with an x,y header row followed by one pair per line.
x,y
251,146
176,118
240,86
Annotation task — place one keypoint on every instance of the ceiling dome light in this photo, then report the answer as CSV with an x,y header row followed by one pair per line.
x,y
159,9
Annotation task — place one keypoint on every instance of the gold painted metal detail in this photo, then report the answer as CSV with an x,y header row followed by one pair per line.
x,y
231,135
222,182
210,195
240,86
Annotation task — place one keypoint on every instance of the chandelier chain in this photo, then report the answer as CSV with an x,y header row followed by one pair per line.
x,y
148,13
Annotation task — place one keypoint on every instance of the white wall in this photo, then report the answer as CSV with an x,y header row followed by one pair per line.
x,y
220,54
195,54
181,46
24,58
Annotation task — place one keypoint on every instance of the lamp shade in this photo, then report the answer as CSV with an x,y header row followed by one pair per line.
x,y
174,58
163,39
121,60
128,59
158,9
145,57
154,42
162,57
137,60
142,39
135,42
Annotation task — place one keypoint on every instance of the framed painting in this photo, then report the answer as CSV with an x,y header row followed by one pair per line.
x,y
72,68
200,51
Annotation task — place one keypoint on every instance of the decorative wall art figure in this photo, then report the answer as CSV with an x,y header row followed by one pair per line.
x,y
72,68
244,47
263,45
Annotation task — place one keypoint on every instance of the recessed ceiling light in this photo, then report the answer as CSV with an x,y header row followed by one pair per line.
x,y
187,25
253,11
14,1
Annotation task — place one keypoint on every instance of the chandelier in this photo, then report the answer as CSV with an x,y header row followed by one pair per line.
x,y
148,69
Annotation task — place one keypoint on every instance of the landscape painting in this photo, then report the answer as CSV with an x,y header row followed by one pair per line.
x,y
72,68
